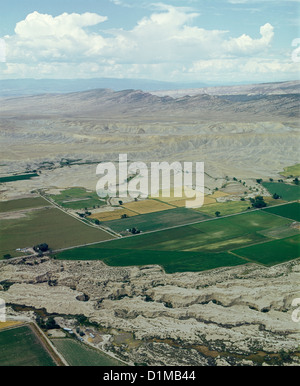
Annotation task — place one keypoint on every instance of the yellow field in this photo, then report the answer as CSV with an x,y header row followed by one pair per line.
x,y
272,201
180,202
218,194
8,324
147,206
112,215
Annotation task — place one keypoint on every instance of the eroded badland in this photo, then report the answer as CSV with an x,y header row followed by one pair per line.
x,y
232,315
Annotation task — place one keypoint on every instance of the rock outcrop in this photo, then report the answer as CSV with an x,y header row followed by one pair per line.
x,y
239,311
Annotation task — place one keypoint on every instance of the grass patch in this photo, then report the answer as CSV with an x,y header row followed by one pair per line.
x,y
272,252
48,225
78,354
77,198
270,201
24,203
291,171
280,232
291,211
21,347
285,191
19,177
225,208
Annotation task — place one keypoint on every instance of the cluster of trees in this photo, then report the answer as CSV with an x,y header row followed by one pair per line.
x,y
258,202
48,324
41,249
86,213
134,231
80,332
7,256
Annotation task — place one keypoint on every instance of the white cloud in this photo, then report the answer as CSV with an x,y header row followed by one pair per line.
x,y
164,45
37,24
44,37
246,45
253,69
2,51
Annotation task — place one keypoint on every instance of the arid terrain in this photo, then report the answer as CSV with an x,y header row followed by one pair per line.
x,y
254,136
226,316
232,316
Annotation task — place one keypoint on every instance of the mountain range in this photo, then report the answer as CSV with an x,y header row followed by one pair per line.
x,y
236,103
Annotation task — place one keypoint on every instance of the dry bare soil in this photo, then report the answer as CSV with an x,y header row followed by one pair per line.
x,y
237,315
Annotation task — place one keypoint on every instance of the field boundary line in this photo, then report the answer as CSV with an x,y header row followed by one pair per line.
x,y
279,215
154,231
165,202
245,258
173,227
58,359
13,326
111,232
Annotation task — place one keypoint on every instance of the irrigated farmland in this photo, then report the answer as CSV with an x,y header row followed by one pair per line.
x,y
196,247
147,206
77,198
272,252
157,220
291,211
21,347
78,354
111,215
285,191
45,225
23,203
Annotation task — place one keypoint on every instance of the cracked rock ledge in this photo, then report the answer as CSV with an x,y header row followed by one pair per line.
x,y
227,316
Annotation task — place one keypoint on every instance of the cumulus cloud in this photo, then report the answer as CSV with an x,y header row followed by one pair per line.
x,y
37,25
44,37
163,45
2,51
246,45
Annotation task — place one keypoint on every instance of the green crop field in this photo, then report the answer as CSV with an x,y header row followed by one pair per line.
x,y
46,225
78,354
225,208
19,177
272,252
285,191
157,220
196,247
23,203
77,198
21,347
291,210
172,261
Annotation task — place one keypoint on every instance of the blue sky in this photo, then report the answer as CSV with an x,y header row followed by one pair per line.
x,y
193,40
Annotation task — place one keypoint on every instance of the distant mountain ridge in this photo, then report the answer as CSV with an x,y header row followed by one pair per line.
x,y
19,87
260,104
276,88
22,87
